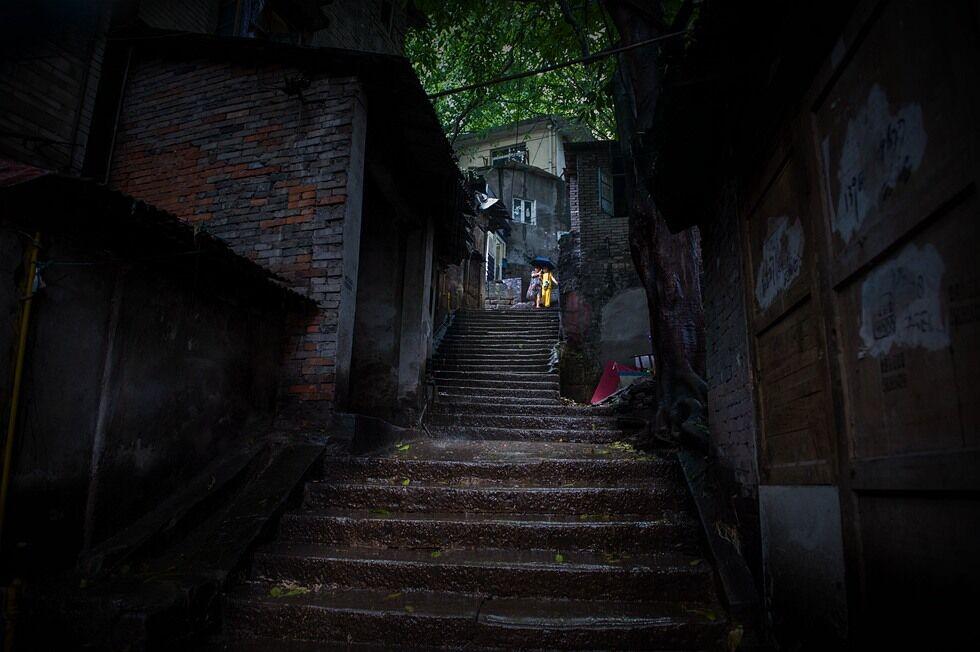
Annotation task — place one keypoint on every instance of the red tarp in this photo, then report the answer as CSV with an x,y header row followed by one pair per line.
x,y
609,382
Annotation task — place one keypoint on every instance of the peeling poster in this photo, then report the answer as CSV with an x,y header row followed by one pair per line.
x,y
901,303
782,256
881,150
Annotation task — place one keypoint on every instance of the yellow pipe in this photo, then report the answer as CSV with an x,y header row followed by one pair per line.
x,y
25,316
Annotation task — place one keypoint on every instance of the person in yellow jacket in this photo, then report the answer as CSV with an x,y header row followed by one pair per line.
x,y
548,281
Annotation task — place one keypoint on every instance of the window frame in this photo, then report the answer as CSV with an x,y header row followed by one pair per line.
x,y
506,153
607,199
523,203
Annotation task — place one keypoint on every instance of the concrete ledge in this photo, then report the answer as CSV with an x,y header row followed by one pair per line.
x,y
155,598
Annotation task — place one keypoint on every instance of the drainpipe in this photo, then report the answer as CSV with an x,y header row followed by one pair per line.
x,y
30,286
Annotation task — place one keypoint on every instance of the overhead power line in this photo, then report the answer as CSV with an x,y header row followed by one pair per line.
x,y
556,66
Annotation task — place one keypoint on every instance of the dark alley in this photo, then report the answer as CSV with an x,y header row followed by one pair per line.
x,y
513,324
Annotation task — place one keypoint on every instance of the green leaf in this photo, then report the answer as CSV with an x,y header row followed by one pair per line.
x,y
435,554
380,511
401,448
694,562
393,596
406,482
275,592
560,558
409,608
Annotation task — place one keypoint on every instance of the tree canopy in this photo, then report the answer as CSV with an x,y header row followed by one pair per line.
x,y
470,41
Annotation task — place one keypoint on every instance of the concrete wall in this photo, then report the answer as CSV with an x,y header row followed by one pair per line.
x,y
277,178
527,241
192,374
803,548
545,146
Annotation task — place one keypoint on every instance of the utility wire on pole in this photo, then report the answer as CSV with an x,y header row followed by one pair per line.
x,y
557,66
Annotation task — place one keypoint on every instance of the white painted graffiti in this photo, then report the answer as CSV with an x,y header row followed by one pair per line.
x,y
901,303
881,150
782,257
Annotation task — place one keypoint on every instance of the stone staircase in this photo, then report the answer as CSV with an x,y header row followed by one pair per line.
x,y
524,523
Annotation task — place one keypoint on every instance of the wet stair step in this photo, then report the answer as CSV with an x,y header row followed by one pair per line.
x,y
525,421
418,618
676,531
594,436
502,462
572,574
651,499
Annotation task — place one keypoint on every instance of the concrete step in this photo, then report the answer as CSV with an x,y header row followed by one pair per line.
x,y
446,398
678,531
491,367
570,574
495,391
485,463
494,349
523,421
494,316
500,357
411,619
657,499
497,383
503,375
503,333
514,338
465,405
597,436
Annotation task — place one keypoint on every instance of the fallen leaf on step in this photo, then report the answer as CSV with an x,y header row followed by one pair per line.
x,y
435,554
406,482
735,638
393,596
560,558
409,608
695,562
401,448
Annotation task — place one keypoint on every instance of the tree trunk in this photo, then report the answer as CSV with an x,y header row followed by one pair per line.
x,y
669,264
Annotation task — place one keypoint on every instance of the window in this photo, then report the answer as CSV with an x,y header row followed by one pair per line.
x,y
496,251
524,210
606,192
516,152
612,189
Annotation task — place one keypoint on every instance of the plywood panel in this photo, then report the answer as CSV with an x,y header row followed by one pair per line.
x,y
793,400
779,246
894,131
910,342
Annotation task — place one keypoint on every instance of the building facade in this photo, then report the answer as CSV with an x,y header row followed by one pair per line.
x,y
840,231
324,171
604,305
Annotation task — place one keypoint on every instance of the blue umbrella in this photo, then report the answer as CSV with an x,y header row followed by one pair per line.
x,y
543,261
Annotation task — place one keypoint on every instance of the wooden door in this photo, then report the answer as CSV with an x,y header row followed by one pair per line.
x,y
895,146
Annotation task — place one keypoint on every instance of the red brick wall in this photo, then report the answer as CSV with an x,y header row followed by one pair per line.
x,y
595,265
220,145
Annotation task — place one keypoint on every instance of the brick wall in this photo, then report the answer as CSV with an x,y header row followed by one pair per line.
x,y
731,410
49,76
184,15
218,144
